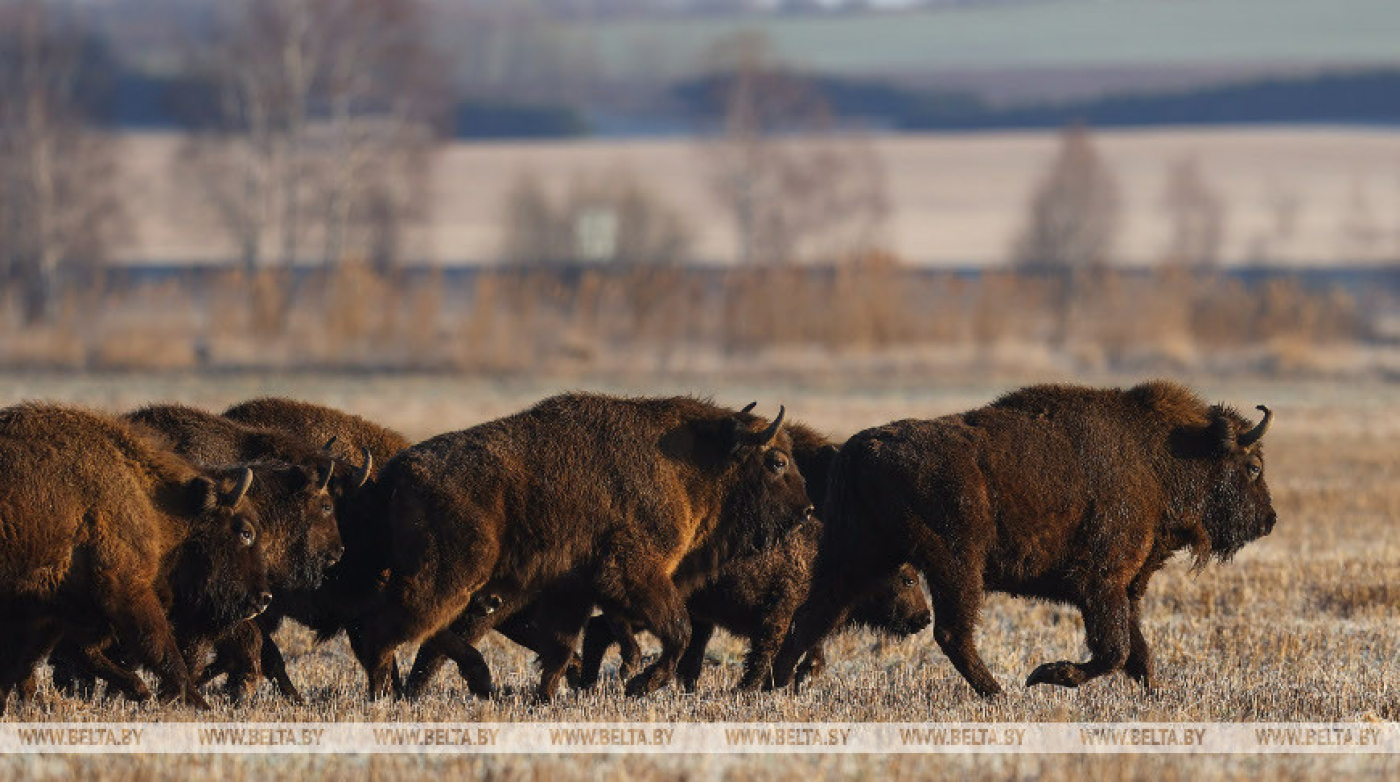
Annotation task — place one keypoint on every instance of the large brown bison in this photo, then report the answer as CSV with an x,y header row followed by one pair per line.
x,y
105,532
611,496
1065,493
756,595
253,653
295,487
292,491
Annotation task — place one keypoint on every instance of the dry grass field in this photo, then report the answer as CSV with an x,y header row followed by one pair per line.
x,y
1302,626
1295,194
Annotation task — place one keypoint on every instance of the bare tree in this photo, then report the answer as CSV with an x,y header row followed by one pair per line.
x,y
1361,232
1196,214
796,188
1072,218
59,210
324,131
609,219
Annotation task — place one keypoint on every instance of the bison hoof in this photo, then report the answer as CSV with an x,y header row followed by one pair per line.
x,y
1062,674
648,681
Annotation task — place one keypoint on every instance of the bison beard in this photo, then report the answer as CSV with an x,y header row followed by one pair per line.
x,y
1066,493
603,494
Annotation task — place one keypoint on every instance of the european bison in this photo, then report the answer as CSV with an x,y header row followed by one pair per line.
x,y
756,595
247,655
1060,492
610,496
104,532
292,492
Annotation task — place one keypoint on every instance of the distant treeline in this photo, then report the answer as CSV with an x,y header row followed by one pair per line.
x,y
118,96
1351,97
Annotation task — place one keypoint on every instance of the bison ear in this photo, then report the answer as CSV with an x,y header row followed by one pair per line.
x,y
1220,431
202,494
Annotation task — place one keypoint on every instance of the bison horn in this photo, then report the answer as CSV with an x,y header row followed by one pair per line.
x,y
748,408
763,437
244,483
1257,433
361,476
326,476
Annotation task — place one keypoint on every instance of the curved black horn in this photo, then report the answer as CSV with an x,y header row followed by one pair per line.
x,y
244,483
763,437
1257,433
361,476
748,408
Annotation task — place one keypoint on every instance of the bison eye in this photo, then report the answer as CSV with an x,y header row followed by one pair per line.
x,y
1254,470
776,462
247,535
326,507
908,581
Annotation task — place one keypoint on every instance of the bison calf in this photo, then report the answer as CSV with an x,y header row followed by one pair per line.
x,y
1066,493
105,532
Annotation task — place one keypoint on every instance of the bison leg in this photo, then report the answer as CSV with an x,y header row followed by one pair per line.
x,y
469,627
693,662
30,642
118,678
758,666
561,626
274,667
1106,630
812,665
597,638
70,676
1139,663
649,595
142,629
957,602
245,665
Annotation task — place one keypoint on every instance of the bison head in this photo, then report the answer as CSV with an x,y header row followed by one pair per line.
x,y
296,507
768,495
897,606
220,577
1238,508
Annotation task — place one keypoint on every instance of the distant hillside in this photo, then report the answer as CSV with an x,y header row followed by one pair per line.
x,y
1062,33
1370,97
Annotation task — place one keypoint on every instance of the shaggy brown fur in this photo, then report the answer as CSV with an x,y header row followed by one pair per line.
x,y
755,596
106,533
1065,493
249,655
614,495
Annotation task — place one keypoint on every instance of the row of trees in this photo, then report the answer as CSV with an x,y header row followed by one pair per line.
x,y
328,114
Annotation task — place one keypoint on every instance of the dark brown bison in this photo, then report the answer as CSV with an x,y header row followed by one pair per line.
x,y
292,491
248,655
1064,493
756,595
610,496
295,487
106,533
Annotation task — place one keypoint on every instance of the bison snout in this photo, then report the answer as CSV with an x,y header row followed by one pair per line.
x,y
808,513
333,556
264,600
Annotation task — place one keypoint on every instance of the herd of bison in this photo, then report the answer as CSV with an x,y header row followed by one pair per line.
x,y
177,540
